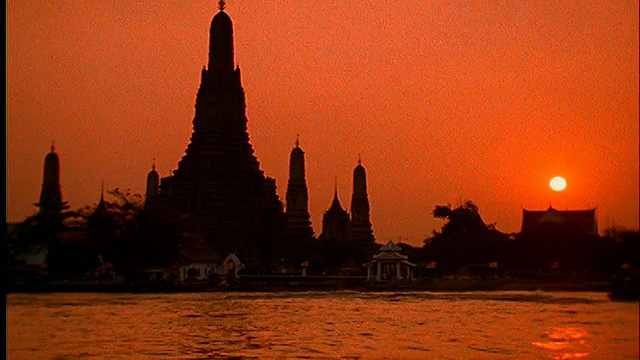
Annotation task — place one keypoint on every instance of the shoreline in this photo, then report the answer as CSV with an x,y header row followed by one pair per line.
x,y
280,284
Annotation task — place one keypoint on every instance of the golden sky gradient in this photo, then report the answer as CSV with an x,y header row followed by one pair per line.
x,y
443,100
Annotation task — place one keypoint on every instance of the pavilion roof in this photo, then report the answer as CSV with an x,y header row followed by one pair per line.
x,y
391,246
390,256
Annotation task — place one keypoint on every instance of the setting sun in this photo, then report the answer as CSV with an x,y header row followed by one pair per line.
x,y
558,183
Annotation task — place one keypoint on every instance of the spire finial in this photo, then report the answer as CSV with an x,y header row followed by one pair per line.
x,y
359,160
153,166
221,5
53,145
298,140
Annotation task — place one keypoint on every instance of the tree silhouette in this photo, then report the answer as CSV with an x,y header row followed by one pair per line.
x,y
139,236
464,239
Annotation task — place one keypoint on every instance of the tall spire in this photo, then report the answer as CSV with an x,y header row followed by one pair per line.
x,y
153,185
360,181
51,204
335,204
101,204
297,211
218,182
221,58
360,223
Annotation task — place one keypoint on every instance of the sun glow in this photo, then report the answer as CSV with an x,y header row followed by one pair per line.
x,y
558,183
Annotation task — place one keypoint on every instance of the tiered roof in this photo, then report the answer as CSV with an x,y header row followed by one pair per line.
x,y
582,220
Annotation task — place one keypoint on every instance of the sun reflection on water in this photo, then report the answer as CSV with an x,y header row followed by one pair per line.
x,y
562,338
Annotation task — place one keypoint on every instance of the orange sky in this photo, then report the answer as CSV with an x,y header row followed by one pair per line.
x,y
444,100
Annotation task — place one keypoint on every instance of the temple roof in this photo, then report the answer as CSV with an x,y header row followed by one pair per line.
x,y
582,220
336,207
390,251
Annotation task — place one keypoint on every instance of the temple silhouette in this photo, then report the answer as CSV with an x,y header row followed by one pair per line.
x,y
219,182
50,205
218,213
336,221
583,221
298,220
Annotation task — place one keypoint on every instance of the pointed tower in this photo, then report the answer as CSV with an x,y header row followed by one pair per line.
x,y
51,204
102,207
153,186
335,222
101,223
298,218
361,231
219,182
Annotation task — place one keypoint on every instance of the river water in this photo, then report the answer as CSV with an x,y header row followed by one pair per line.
x,y
321,325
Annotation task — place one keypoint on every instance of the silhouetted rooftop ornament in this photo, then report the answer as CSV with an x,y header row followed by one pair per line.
x,y
53,145
298,140
221,5
336,201
359,160
153,166
101,202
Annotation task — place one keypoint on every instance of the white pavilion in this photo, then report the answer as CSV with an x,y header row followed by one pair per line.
x,y
390,264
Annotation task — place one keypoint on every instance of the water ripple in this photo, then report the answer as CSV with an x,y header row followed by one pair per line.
x,y
341,325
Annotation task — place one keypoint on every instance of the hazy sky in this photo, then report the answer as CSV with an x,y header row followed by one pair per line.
x,y
443,100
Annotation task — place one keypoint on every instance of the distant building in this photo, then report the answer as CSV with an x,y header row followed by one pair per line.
x,y
561,243
583,221
199,265
354,228
348,237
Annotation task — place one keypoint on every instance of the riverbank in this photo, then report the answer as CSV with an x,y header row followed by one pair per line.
x,y
290,283
436,285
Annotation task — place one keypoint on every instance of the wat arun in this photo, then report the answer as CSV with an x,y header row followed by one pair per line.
x,y
218,182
